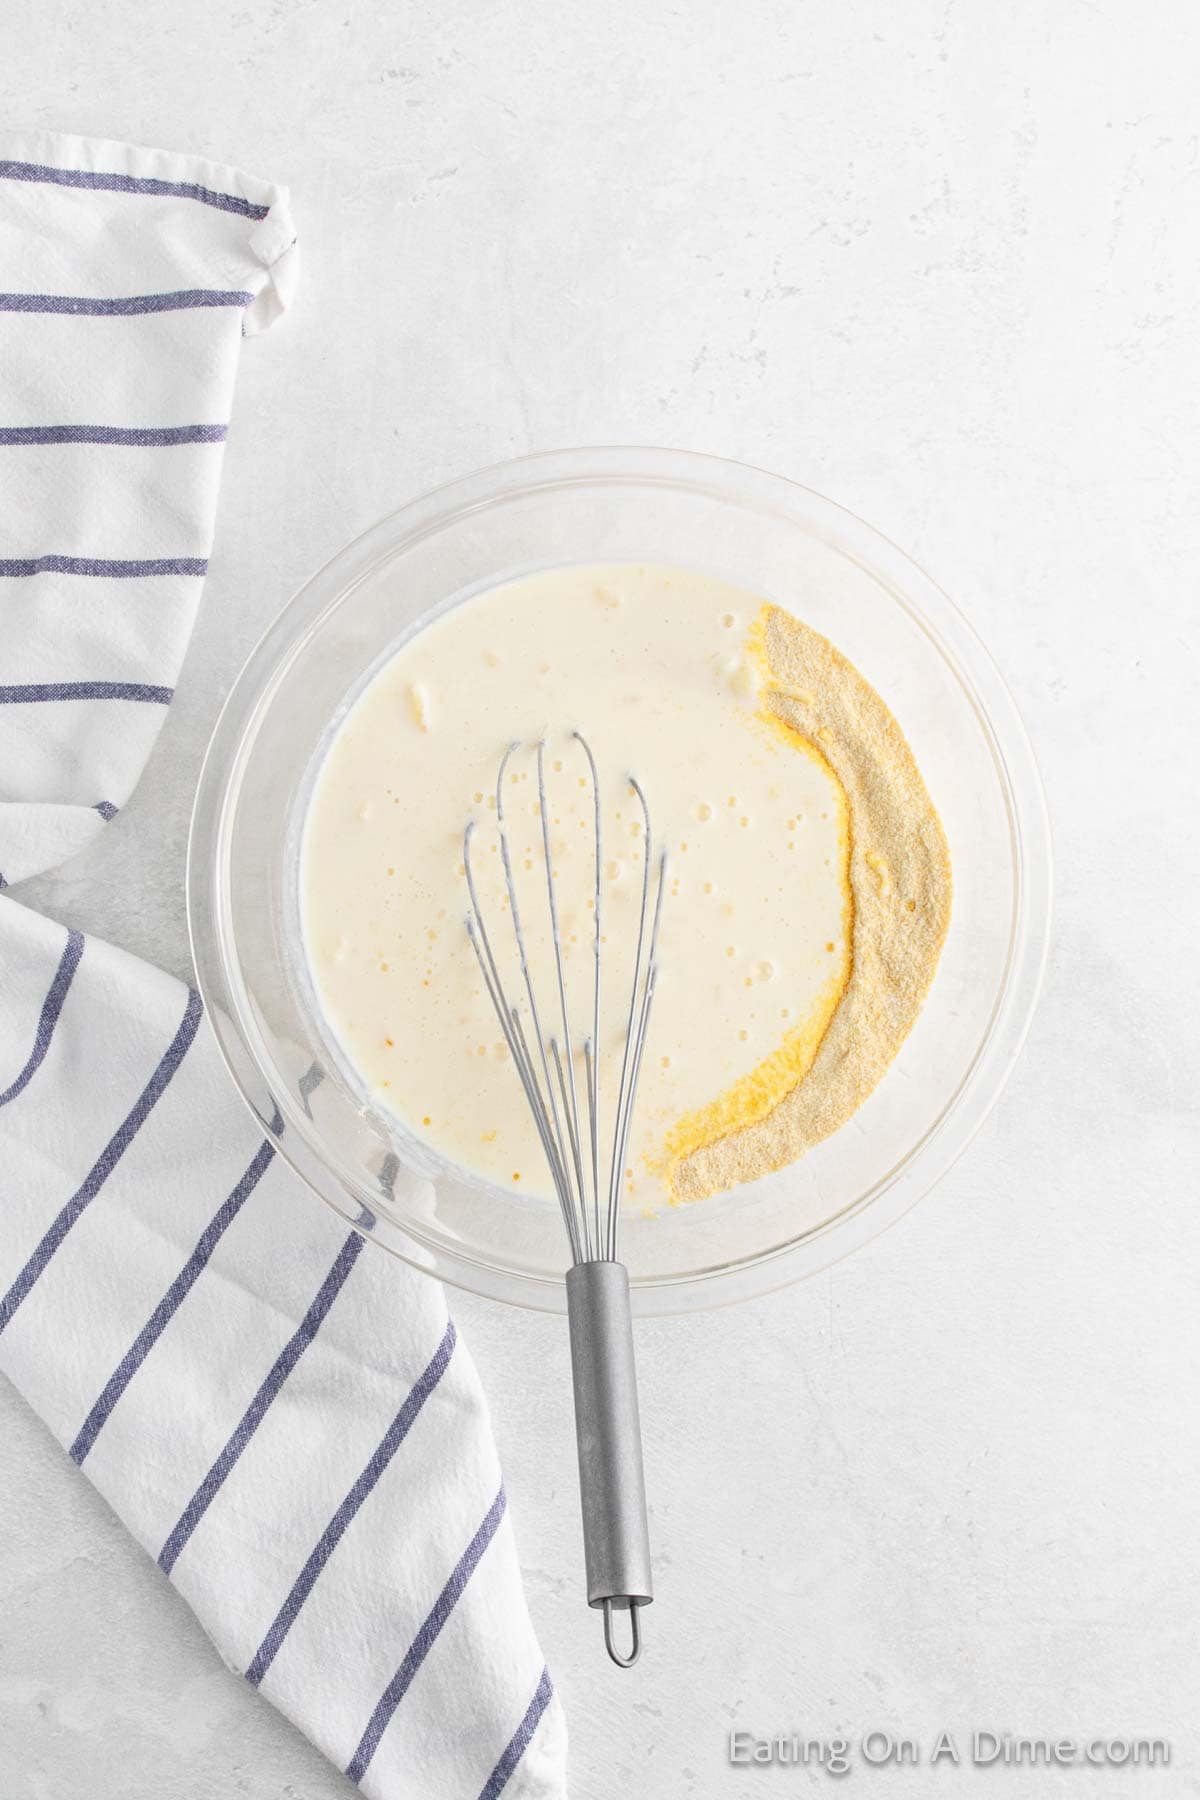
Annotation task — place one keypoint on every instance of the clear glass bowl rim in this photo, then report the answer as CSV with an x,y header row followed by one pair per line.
x,y
931,609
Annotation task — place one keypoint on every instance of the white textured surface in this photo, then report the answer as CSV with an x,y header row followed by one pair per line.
x,y
939,261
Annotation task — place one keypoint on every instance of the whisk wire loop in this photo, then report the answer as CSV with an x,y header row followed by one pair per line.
x,y
569,1097
591,1050
544,1059
635,1033
550,1105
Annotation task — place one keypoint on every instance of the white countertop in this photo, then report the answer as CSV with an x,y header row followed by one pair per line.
x,y
939,261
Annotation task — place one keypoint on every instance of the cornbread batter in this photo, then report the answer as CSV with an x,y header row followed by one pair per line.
x,y
730,714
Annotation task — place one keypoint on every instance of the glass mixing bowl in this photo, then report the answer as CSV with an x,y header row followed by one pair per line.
x,y
582,506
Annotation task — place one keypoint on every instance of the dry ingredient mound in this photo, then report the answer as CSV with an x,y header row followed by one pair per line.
x,y
899,895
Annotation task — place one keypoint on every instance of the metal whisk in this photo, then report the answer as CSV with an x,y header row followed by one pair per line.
x,y
611,1482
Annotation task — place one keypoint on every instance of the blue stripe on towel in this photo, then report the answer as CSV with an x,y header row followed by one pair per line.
x,y
106,809
123,305
120,568
424,1641
109,1157
146,437
308,1084
52,1005
27,693
253,1416
517,1745
330,1538
170,1303
132,184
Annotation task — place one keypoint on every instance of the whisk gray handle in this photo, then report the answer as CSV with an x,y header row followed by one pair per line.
x,y
612,1487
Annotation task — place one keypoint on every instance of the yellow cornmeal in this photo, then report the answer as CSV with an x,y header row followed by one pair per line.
x,y
898,888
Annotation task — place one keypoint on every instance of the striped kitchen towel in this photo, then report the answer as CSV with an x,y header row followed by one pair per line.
x,y
284,1419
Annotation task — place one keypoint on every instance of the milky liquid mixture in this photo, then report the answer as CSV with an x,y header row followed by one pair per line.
x,y
657,668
